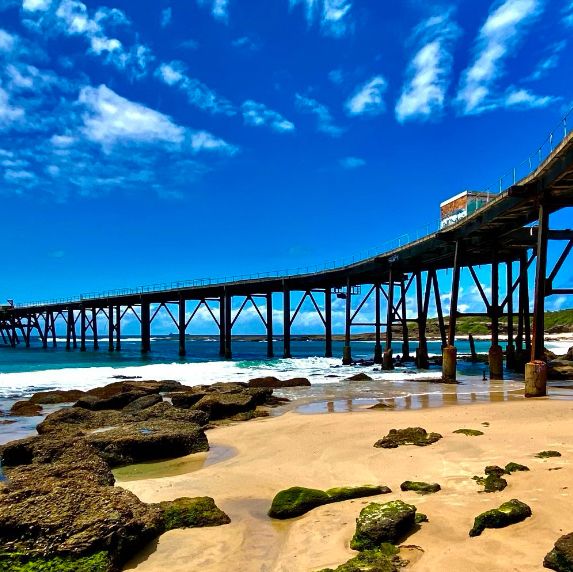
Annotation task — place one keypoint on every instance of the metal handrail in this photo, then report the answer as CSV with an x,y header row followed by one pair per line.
x,y
511,177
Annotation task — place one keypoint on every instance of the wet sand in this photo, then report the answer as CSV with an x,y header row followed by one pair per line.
x,y
329,450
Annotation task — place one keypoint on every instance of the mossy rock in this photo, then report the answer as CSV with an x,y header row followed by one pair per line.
x,y
378,523
469,432
297,501
421,517
420,487
20,562
385,559
493,481
346,493
560,558
510,512
409,436
359,377
515,467
194,512
548,454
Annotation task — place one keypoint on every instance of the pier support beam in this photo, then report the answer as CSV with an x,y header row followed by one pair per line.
x,y
510,348
270,349
110,328
70,326
405,337
495,356
228,326
346,350
118,328
94,329
422,361
286,324
449,353
378,344
145,327
181,325
328,322
536,369
83,327
387,362
222,326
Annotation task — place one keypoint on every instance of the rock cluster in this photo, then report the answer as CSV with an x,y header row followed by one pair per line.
x,y
409,436
510,512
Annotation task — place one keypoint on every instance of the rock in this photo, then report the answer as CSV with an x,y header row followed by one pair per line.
x,y
186,400
117,387
296,501
378,523
25,409
221,405
59,523
548,454
514,467
421,517
57,396
299,500
148,441
274,383
74,419
117,401
260,394
359,377
549,355
166,411
493,481
508,513
345,493
385,559
420,487
142,403
188,512
560,558
560,370
569,354
469,432
410,436
7,421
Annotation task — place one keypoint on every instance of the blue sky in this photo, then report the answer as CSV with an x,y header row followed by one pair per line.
x,y
161,140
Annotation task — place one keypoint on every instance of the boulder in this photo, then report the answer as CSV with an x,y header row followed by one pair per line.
x,y
384,559
25,409
548,454
74,419
560,370
420,487
378,523
117,387
188,512
345,493
469,432
166,411
117,401
560,558
222,405
493,481
409,436
569,354
186,400
515,467
508,513
274,383
57,396
297,501
148,441
142,403
359,377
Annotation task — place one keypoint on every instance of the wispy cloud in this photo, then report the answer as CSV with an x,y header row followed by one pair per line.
x,y
259,115
429,73
166,16
549,62
336,76
325,122
174,74
219,8
36,5
522,98
568,14
333,16
368,98
9,114
246,43
352,162
498,38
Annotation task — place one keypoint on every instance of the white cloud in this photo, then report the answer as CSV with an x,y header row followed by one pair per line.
x,y
568,14
325,122
166,16
333,15
336,76
246,43
368,99
525,99
551,61
198,94
259,115
9,114
7,41
36,5
352,162
429,73
497,40
204,141
112,119
219,8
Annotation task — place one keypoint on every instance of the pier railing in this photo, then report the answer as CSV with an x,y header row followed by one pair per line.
x,y
511,177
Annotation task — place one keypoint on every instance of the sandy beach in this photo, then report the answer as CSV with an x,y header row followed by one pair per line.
x,y
259,458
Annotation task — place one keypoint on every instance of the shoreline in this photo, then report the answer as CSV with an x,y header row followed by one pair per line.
x,y
331,451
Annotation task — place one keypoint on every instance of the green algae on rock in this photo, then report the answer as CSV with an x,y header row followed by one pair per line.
x,y
469,432
187,512
297,501
409,436
385,559
510,512
420,487
515,467
21,562
560,558
548,454
378,523
421,517
493,481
